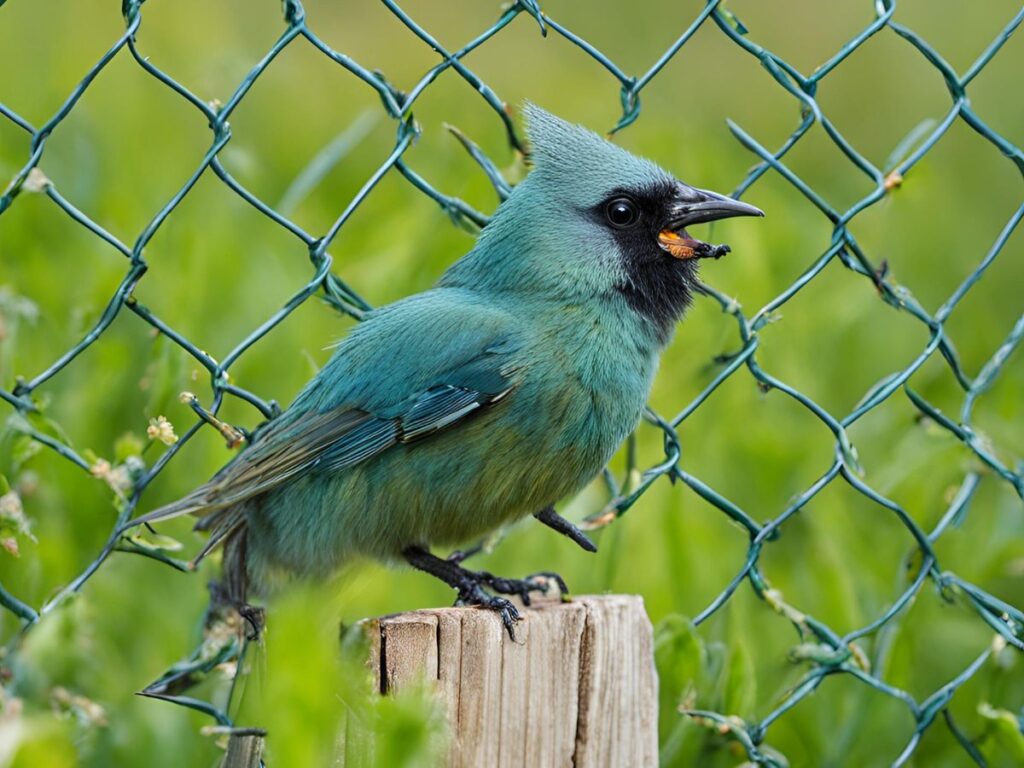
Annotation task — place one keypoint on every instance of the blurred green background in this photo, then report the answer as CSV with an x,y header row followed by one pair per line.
x,y
218,269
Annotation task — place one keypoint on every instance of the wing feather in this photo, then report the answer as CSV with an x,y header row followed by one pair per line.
x,y
282,451
339,438
437,408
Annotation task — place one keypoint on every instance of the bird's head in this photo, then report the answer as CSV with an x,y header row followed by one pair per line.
x,y
592,218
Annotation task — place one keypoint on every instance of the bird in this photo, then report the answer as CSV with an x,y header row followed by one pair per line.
x,y
501,390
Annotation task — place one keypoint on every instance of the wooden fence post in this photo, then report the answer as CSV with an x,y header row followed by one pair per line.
x,y
577,688
245,748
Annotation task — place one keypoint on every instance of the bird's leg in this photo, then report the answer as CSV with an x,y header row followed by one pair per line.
x,y
552,519
466,583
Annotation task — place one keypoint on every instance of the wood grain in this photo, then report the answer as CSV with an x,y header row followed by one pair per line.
x,y
576,688
245,749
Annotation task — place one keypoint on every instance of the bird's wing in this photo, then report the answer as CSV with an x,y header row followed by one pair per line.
x,y
343,436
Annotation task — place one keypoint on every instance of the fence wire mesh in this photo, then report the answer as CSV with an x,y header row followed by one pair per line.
x,y
828,652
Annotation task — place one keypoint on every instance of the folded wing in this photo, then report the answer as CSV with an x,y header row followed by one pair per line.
x,y
341,437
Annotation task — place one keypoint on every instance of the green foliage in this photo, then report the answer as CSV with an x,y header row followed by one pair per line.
x,y
775,376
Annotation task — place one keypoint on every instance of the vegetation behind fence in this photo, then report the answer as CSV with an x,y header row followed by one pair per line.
x,y
824,510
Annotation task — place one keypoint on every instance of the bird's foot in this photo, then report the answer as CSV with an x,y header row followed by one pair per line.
x,y
253,616
470,584
538,582
255,620
471,593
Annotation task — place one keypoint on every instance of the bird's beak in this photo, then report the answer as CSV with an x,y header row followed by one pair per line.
x,y
697,206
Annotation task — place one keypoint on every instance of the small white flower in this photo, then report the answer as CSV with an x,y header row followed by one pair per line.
x,y
101,469
161,429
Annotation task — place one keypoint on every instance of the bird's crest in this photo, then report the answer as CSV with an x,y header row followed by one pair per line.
x,y
577,154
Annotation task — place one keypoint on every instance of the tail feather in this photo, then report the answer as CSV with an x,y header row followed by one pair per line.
x,y
232,590
221,524
197,502
222,520
235,577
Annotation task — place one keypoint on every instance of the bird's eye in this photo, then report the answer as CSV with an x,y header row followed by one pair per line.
x,y
622,213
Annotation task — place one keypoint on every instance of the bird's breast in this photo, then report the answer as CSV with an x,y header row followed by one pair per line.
x,y
590,387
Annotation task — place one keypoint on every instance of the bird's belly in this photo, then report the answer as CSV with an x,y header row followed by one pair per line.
x,y
548,445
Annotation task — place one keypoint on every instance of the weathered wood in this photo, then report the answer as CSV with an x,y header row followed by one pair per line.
x,y
577,688
245,749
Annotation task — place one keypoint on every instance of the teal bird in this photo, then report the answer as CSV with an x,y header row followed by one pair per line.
x,y
504,388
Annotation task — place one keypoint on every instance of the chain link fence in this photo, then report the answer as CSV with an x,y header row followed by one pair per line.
x,y
827,652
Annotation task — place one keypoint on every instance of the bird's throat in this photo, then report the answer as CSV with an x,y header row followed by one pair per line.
x,y
659,289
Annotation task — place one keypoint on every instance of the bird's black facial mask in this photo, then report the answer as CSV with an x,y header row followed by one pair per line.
x,y
659,256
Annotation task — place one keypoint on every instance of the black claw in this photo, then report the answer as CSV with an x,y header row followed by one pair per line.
x,y
468,585
507,611
253,615
255,618
471,593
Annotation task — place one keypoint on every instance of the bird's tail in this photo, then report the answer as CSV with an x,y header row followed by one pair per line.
x,y
232,589
222,524
235,569
223,514
196,503
226,523
221,520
